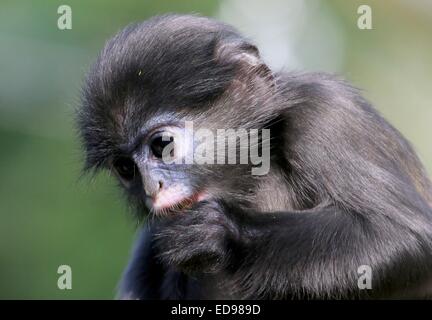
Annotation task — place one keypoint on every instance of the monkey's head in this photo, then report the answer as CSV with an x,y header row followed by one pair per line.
x,y
150,82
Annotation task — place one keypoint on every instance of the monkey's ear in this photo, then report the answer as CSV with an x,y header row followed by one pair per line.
x,y
245,56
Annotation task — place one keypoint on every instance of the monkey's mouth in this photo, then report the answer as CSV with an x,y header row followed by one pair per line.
x,y
175,202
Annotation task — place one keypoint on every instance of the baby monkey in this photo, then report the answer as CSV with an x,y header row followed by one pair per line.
x,y
342,188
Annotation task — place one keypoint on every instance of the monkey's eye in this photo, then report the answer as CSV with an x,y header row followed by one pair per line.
x,y
125,167
158,144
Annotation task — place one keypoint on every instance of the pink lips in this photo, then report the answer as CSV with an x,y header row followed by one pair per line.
x,y
176,197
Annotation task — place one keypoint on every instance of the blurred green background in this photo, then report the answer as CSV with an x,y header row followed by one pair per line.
x,y
49,216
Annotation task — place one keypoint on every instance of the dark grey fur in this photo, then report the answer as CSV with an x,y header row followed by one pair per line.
x,y
345,188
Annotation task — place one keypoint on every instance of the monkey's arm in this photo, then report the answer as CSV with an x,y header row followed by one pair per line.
x,y
316,254
309,254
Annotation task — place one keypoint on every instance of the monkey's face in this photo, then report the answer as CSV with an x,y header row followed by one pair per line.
x,y
170,164
147,82
157,168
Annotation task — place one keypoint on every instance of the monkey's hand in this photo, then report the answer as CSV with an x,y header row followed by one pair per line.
x,y
195,240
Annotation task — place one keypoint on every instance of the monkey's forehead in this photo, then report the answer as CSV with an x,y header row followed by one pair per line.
x,y
163,62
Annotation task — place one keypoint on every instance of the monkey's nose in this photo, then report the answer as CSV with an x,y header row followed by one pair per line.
x,y
157,187
152,187
151,193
